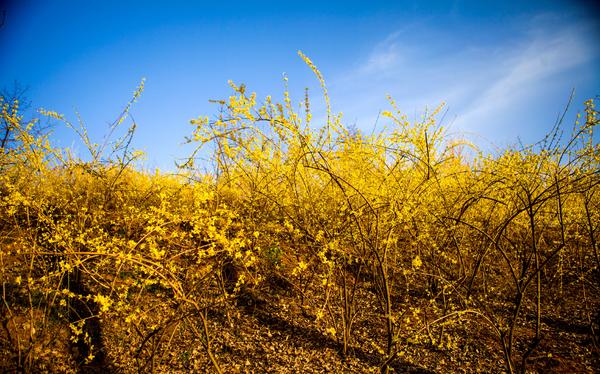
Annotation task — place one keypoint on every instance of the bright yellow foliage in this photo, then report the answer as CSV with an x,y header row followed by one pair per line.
x,y
408,206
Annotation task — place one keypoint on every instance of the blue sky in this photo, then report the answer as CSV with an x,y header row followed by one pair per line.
x,y
505,69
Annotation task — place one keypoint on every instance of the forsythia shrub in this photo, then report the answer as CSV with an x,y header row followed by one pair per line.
x,y
126,265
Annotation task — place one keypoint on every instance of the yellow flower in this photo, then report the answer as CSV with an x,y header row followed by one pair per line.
x,y
416,262
104,302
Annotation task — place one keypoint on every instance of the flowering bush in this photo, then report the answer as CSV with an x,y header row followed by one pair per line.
x,y
417,234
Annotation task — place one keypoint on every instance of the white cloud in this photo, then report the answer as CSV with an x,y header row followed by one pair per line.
x,y
481,81
527,70
385,56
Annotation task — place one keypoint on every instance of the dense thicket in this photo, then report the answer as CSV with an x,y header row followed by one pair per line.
x,y
388,247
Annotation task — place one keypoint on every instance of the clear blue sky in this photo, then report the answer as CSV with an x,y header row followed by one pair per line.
x,y
505,68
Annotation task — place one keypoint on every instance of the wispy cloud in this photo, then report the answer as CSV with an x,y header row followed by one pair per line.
x,y
528,69
481,81
385,56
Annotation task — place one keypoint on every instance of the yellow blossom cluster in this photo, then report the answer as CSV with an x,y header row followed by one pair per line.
x,y
353,219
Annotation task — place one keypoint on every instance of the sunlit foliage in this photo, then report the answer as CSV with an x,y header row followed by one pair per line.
x,y
127,265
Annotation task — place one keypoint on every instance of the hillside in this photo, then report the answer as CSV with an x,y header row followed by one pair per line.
x,y
306,248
